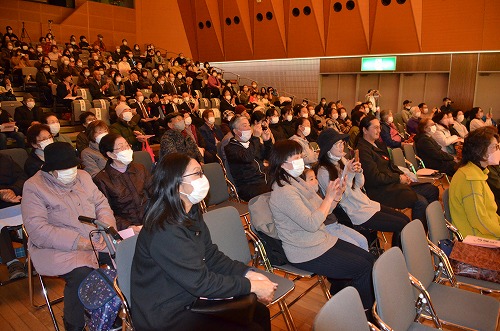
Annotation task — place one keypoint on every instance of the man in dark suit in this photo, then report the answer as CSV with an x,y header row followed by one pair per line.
x,y
98,86
148,122
131,85
27,114
171,87
160,87
188,87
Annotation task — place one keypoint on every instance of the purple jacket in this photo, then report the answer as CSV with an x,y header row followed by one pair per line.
x,y
50,214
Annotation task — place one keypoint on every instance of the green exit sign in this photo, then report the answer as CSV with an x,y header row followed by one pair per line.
x,y
378,63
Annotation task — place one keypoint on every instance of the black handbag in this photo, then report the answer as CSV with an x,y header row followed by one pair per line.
x,y
238,310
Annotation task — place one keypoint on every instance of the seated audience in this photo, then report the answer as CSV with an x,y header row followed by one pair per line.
x,y
356,117
430,151
82,140
123,182
472,203
384,182
14,134
58,242
259,122
302,130
174,141
92,159
128,129
98,85
494,183
176,262
12,179
442,135
226,118
227,101
38,137
211,133
132,85
245,154
458,118
476,121
288,122
362,211
273,118
27,114
299,215
148,123
412,125
51,120
388,131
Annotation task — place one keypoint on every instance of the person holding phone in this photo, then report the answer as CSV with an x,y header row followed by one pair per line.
x,y
363,212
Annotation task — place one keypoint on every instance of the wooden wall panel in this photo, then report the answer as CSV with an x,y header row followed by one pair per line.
x,y
304,38
209,37
349,64
237,37
463,80
491,25
269,41
489,62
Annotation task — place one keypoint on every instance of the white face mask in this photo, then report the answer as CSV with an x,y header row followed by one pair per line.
x,y
228,97
140,98
186,99
332,157
46,70
127,116
289,118
99,137
30,104
45,143
460,118
201,186
305,115
298,168
246,135
211,119
86,74
101,73
306,131
125,156
335,116
425,110
66,63
229,118
274,119
175,100
67,176
418,114
343,116
188,120
54,128
432,129
390,119
312,112
494,158
180,125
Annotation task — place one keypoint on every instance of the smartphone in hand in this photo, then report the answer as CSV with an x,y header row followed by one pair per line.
x,y
356,155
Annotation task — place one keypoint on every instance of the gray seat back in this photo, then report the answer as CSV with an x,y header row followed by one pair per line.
x,y
446,204
226,231
416,252
144,158
124,255
393,290
19,155
333,315
218,188
398,157
410,155
436,223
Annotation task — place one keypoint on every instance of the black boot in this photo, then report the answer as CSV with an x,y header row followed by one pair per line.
x,y
71,327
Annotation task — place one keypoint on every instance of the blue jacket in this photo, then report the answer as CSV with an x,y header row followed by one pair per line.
x,y
208,135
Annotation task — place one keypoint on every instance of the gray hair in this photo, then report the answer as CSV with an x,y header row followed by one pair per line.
x,y
235,122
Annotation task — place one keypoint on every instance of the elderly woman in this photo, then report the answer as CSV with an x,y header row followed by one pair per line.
x,y
39,137
93,161
476,115
123,182
299,214
176,262
302,130
472,203
442,135
430,151
59,244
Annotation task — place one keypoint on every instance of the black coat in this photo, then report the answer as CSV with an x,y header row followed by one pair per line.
x,y
159,89
24,117
382,181
246,164
175,265
131,87
33,164
433,156
12,177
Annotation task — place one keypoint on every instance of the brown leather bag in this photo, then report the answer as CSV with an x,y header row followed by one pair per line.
x,y
476,262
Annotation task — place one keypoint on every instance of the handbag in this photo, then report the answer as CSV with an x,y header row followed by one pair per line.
x,y
446,246
476,262
238,310
98,296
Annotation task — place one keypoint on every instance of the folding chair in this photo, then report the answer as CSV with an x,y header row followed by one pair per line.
x,y
439,229
260,213
204,104
10,106
228,234
78,107
144,158
446,205
215,103
418,163
102,114
399,159
125,250
455,306
395,307
45,294
222,192
18,155
29,74
84,93
146,92
332,317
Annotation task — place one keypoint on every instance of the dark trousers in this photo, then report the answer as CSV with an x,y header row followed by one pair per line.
x,y
426,193
247,192
18,136
194,321
6,249
345,261
388,220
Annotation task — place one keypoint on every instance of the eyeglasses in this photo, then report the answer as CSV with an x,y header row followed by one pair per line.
x,y
122,147
496,147
198,173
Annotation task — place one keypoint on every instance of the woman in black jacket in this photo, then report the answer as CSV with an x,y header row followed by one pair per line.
x,y
384,182
430,151
176,262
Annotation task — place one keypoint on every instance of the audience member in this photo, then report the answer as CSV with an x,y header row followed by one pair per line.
x,y
27,114
128,129
39,137
9,131
92,159
302,130
442,135
403,116
82,140
476,119
176,239
356,117
211,133
472,202
58,242
245,154
123,182
51,120
412,125
458,118
174,141
273,118
384,182
388,131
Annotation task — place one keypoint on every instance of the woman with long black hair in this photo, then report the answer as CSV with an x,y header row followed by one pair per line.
x,y
176,262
